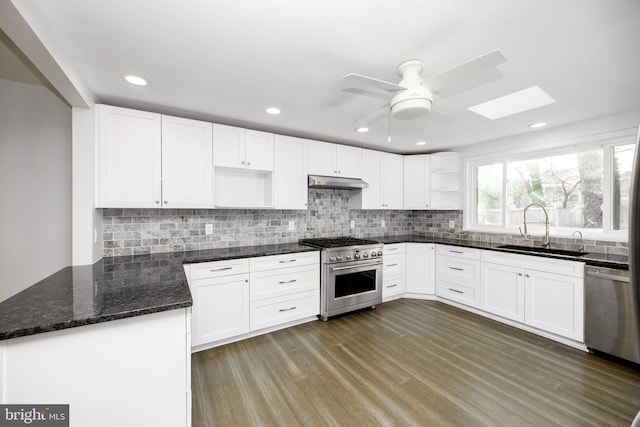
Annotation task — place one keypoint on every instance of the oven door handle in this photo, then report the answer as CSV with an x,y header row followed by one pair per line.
x,y
356,266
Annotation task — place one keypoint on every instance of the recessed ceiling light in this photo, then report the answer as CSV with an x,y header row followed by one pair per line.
x,y
135,80
273,110
362,130
516,102
537,125
421,143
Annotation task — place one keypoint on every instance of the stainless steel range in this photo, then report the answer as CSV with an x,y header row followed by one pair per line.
x,y
351,274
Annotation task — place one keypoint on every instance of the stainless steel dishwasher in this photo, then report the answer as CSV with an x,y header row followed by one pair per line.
x,y
611,313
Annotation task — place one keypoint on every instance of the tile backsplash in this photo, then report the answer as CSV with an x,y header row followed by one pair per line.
x,y
144,231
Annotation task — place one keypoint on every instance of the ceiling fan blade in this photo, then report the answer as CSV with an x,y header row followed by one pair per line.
x,y
439,81
372,116
370,93
380,84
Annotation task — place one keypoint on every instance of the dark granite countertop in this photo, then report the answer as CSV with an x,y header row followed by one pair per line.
x,y
113,288
620,262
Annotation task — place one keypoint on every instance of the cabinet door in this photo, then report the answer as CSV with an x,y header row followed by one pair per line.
x,y
321,158
417,187
259,150
502,290
421,268
220,308
228,146
555,303
372,175
348,161
290,173
129,147
392,181
187,169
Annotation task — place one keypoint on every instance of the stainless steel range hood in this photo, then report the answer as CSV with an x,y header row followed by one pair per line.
x,y
336,183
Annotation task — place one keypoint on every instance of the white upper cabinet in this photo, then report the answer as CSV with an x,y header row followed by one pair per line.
x,y
328,159
129,166
290,173
383,173
417,182
392,181
445,181
187,169
242,149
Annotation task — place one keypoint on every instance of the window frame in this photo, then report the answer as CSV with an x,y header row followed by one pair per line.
x,y
605,142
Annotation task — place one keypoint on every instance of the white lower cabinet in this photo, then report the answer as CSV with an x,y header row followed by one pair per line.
x,y
220,308
420,269
233,299
544,293
393,271
555,303
458,274
502,290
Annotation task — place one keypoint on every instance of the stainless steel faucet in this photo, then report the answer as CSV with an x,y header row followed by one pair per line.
x,y
581,241
526,235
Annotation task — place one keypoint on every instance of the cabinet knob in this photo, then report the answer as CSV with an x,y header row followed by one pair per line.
x,y
526,275
335,171
248,163
520,274
242,162
166,203
157,202
339,171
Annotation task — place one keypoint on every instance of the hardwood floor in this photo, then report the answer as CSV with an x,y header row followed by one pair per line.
x,y
409,362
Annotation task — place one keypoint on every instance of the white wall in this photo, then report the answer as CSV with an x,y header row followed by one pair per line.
x,y
35,185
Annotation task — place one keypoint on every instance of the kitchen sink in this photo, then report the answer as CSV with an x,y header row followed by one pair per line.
x,y
542,250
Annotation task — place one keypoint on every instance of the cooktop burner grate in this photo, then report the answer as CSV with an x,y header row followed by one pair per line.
x,y
336,242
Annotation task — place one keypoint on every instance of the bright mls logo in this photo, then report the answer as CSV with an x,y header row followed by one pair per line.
x,y
34,415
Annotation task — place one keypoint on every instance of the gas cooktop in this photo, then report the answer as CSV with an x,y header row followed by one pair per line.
x,y
336,242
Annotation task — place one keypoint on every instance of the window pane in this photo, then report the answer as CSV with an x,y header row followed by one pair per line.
x,y
489,194
569,186
622,162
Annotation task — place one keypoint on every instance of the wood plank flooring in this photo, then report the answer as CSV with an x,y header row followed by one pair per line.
x,y
409,363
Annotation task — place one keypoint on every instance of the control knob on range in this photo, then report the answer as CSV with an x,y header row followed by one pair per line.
x,y
348,257
332,258
356,256
365,255
379,253
339,258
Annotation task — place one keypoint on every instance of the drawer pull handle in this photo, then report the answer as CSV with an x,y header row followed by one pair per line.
x,y
392,265
288,281
286,261
288,309
456,252
392,286
220,269
392,249
456,268
456,291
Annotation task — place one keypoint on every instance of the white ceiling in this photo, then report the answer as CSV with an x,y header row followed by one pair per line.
x,y
225,61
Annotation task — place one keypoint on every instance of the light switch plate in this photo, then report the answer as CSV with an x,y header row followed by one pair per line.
x,y
383,223
452,223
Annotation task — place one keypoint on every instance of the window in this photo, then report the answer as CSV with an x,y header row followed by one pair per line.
x,y
586,190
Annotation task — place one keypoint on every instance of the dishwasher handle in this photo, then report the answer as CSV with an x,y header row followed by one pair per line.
x,y
598,274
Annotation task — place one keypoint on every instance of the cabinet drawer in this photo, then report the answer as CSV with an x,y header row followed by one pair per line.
x,y
393,248
393,285
458,251
205,270
284,260
275,311
458,270
532,262
284,281
469,295
393,264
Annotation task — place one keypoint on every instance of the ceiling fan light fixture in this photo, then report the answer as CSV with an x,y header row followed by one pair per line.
x,y
410,108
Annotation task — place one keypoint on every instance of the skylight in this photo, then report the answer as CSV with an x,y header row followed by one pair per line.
x,y
516,102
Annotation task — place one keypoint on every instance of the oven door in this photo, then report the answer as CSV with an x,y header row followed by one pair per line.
x,y
354,285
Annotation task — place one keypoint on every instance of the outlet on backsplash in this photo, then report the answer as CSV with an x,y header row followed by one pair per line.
x,y
292,225
352,224
383,223
208,229
452,224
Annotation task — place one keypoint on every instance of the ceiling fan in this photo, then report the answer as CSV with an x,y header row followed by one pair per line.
x,y
414,95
